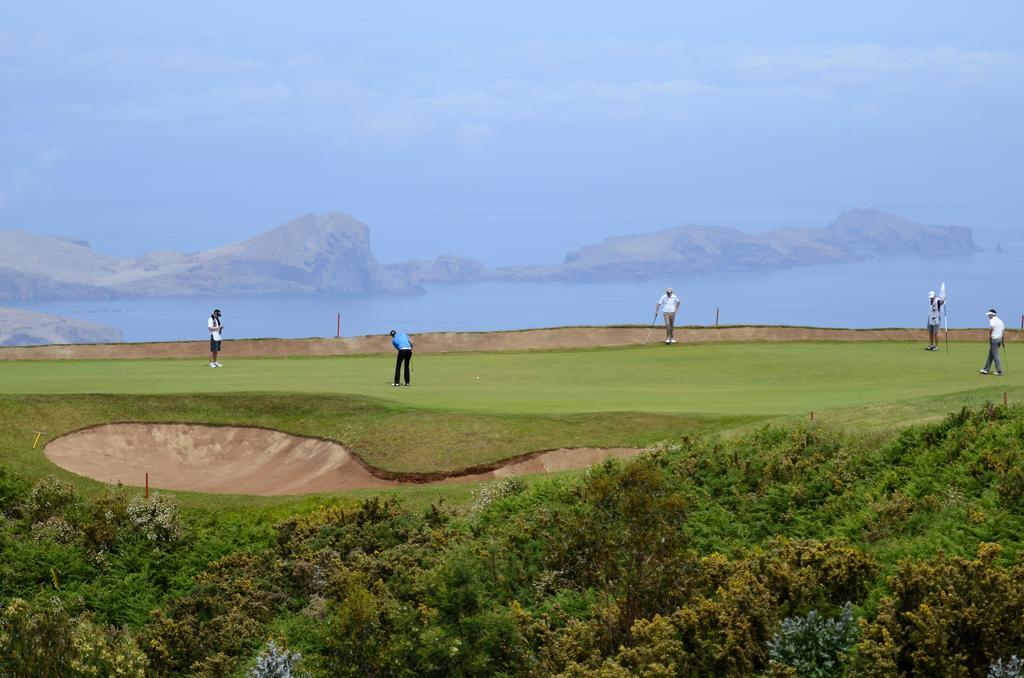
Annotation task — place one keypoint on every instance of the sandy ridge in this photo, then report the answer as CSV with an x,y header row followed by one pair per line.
x,y
258,461
450,342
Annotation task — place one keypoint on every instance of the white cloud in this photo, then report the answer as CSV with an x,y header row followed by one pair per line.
x,y
875,62
398,94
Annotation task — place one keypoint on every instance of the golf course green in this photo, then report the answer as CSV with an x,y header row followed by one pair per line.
x,y
762,379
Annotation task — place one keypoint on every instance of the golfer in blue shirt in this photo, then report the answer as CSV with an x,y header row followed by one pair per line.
x,y
403,344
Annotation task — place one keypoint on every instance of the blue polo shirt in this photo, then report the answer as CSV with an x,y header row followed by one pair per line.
x,y
401,341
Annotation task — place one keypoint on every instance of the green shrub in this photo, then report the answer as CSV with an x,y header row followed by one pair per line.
x,y
813,645
946,616
724,624
13,492
106,521
219,621
47,641
623,534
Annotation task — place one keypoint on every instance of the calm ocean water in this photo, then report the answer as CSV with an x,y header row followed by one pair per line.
x,y
884,293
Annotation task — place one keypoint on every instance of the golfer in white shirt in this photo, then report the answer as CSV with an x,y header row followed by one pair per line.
x,y
667,306
214,325
995,340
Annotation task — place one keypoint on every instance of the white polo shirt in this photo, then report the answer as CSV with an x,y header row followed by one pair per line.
x,y
997,326
214,325
668,303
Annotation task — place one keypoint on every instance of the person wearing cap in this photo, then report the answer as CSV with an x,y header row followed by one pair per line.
x,y
934,319
667,306
215,327
995,340
402,344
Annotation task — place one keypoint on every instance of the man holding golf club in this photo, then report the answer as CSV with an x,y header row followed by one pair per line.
x,y
995,340
402,344
667,305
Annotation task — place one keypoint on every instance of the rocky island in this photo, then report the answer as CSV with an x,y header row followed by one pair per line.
x,y
26,328
331,253
856,235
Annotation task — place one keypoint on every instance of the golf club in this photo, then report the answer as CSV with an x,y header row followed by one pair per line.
x,y
649,329
1006,363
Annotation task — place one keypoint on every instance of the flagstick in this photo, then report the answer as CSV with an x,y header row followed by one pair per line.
x,y
945,312
945,317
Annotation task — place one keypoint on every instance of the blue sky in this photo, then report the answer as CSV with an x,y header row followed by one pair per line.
x,y
507,131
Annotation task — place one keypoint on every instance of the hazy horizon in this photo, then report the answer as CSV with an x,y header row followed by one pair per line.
x,y
510,133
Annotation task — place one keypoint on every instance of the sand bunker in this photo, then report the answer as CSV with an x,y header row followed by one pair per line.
x,y
234,460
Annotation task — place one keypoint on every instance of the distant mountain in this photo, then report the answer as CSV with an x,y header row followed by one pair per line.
x,y
856,235
866,233
39,267
312,254
27,328
330,253
444,269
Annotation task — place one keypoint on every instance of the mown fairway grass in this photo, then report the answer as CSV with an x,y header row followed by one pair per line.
x,y
767,379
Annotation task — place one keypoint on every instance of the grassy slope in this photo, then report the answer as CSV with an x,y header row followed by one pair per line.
x,y
385,435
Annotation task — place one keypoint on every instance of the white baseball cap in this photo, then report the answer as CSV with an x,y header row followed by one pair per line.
x,y
931,295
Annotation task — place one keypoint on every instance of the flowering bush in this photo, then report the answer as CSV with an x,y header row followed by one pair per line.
x,y
55,529
49,497
485,495
156,518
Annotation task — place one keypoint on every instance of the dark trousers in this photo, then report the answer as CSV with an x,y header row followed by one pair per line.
x,y
404,356
993,355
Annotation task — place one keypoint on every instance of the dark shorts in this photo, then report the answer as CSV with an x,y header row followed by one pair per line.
x,y
214,345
